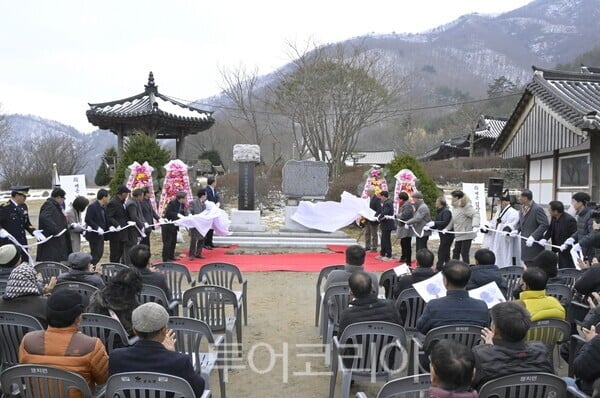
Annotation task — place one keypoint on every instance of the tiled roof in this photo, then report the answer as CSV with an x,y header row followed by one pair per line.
x,y
366,157
491,127
446,149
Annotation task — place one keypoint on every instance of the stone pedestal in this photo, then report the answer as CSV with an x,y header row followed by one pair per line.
x,y
291,225
246,221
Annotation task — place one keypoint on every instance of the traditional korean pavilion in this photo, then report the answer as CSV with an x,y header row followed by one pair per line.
x,y
151,112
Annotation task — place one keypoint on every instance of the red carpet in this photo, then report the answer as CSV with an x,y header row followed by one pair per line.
x,y
296,262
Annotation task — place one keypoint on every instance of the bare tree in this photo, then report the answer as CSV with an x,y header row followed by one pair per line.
x,y
331,94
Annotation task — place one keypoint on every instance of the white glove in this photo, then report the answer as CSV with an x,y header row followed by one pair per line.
x,y
475,229
3,233
130,222
119,228
430,224
162,221
112,229
426,228
100,231
577,247
542,242
179,215
444,231
146,225
39,235
219,205
564,247
570,241
142,233
530,241
514,233
406,226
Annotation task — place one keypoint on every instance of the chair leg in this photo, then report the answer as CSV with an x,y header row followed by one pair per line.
x,y
221,382
239,336
229,347
327,340
317,308
332,379
346,382
245,303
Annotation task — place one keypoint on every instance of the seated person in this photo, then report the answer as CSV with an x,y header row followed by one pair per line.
x,y
155,351
63,346
504,350
365,305
485,271
533,296
424,270
10,257
457,307
547,261
140,259
452,367
80,271
355,260
590,279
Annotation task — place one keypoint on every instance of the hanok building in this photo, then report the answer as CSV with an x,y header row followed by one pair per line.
x,y
152,113
556,126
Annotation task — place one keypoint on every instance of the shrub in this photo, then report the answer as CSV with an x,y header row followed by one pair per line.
x,y
102,177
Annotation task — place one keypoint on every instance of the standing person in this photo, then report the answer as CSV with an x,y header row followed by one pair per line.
x,y
169,231
96,219
14,219
372,227
134,213
579,202
387,225
562,227
75,221
465,221
406,211
212,196
54,222
442,220
197,206
505,247
533,223
419,220
117,220
149,216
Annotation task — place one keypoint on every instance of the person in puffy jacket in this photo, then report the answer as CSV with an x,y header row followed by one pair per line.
x,y
533,296
485,271
465,223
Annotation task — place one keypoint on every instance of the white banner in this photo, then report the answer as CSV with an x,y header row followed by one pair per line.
x,y
74,186
477,194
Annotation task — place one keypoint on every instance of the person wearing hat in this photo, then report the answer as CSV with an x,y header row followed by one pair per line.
x,y
121,238
63,346
10,257
506,248
155,351
562,227
14,219
54,223
80,271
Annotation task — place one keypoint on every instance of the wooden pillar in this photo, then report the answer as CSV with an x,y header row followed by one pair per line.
x,y
120,143
179,143
594,166
555,172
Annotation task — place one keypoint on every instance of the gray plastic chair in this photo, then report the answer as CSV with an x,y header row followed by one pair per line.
x,y
378,354
189,334
337,295
39,381
108,329
530,385
13,326
225,275
210,304
405,387
512,275
562,293
155,294
391,279
109,270
175,274
142,384
320,292
410,306
570,275
48,269
85,290
550,332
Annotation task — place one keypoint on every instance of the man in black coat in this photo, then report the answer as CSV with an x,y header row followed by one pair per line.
x,y
169,231
149,215
95,218
212,196
117,221
387,225
423,271
371,227
442,219
53,222
579,202
562,227
533,223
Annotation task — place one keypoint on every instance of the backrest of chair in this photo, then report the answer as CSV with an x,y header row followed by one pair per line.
x,y
189,334
549,332
48,269
410,305
210,304
85,290
562,293
13,326
108,329
220,274
325,273
468,335
406,387
175,274
512,275
109,270
388,277
39,381
370,347
133,384
154,294
530,385
570,275
338,295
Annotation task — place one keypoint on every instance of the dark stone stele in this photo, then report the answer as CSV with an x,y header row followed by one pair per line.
x,y
246,186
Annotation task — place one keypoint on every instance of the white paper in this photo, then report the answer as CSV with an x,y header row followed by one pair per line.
x,y
489,293
402,269
431,288
576,255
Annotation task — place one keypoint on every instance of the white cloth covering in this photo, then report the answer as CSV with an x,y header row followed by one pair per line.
x,y
211,218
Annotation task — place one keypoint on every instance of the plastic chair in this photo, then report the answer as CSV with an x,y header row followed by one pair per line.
x,y
550,332
337,295
40,381
570,275
209,304
320,293
109,270
13,326
512,275
224,274
189,334
378,353
410,306
155,294
562,293
83,289
405,387
390,279
108,329
48,269
143,384
175,274
530,385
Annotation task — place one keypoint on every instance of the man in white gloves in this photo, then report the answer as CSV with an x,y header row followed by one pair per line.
x,y
96,221
533,224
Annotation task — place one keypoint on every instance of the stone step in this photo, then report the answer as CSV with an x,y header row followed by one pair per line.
x,y
275,241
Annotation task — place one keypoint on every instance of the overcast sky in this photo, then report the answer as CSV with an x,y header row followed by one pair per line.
x,y
56,56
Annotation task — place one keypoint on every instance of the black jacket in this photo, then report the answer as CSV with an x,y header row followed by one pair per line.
x,y
117,217
560,230
155,279
387,209
442,218
406,282
590,280
587,365
369,308
28,305
484,274
375,204
584,227
52,222
95,217
15,220
76,275
591,244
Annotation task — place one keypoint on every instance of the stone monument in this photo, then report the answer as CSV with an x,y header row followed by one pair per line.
x,y
302,180
246,218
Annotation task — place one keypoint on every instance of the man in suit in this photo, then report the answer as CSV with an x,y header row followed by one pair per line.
x,y
117,220
372,227
579,201
134,213
562,226
387,225
95,218
53,222
533,223
140,259
155,351
149,216
212,196
169,231
14,219
197,206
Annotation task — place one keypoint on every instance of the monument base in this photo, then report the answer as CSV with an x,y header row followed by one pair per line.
x,y
246,221
291,225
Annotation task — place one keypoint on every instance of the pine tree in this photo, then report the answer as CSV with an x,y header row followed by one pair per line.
x,y
425,183
213,156
102,177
